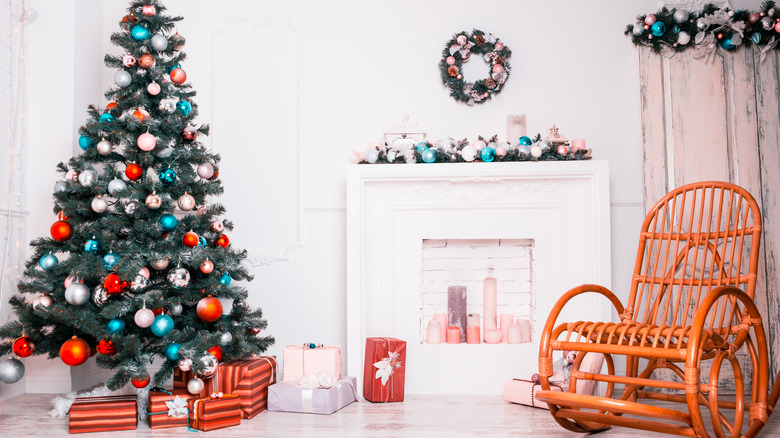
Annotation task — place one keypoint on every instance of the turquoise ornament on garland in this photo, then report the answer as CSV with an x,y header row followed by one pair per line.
x,y
525,140
658,28
429,155
488,154
139,32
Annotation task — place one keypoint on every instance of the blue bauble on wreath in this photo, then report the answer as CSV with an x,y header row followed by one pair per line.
x,y
727,44
488,154
429,155
139,32
48,262
167,176
658,28
115,326
168,222
162,325
172,351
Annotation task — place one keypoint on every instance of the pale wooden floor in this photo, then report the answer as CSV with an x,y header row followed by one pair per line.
x,y
418,416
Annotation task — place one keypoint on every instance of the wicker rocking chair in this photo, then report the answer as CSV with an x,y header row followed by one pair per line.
x,y
690,311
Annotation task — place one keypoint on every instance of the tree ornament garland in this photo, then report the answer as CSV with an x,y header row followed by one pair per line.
x,y
707,30
458,50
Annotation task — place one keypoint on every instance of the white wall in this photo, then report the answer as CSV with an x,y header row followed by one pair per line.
x,y
362,66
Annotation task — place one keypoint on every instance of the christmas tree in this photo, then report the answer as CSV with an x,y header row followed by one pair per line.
x,y
139,262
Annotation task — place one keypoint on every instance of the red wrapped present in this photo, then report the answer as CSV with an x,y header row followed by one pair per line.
x,y
170,408
181,378
216,413
103,414
249,380
384,370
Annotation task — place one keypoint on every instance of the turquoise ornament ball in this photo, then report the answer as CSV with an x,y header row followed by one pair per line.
x,y
525,140
139,32
48,262
658,28
107,118
727,44
184,107
162,325
110,260
429,155
167,176
488,154
168,222
202,241
171,68
115,326
172,351
756,37
225,279
91,246
86,142
421,146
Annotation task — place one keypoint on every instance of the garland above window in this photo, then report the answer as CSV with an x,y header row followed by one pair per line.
x,y
703,32
458,50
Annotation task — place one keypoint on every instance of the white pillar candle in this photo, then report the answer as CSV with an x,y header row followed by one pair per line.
x,y
514,334
507,319
490,291
442,318
525,330
434,332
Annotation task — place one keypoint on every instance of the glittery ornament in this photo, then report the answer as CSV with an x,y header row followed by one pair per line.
x,y
153,201
99,296
146,142
209,309
122,78
106,347
74,351
130,207
116,186
60,187
167,176
23,346
186,202
144,317
11,370
77,294
160,264
195,385
179,277
175,309
162,325
205,170
206,366
159,42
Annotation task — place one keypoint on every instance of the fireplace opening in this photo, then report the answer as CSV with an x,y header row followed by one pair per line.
x,y
477,291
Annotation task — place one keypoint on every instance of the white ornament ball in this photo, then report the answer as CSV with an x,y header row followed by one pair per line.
x,y
104,147
195,386
683,38
479,145
87,178
144,317
167,106
681,15
185,364
225,339
186,202
372,155
99,205
122,78
116,186
42,301
536,151
153,88
160,264
159,42
205,170
77,294
468,153
175,309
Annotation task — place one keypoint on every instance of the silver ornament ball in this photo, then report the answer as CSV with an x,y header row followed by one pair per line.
x,y
99,296
139,283
99,205
545,144
681,16
160,264
179,277
122,78
60,186
186,202
167,106
11,370
105,147
88,178
41,301
77,294
159,42
116,186
207,365
185,364
767,23
225,339
175,309
195,386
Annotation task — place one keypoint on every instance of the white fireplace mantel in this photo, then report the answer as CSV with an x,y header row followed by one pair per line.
x,y
563,206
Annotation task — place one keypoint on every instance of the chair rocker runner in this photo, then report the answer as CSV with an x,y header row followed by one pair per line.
x,y
689,324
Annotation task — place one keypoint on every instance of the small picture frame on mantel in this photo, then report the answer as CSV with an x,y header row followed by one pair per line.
x,y
404,135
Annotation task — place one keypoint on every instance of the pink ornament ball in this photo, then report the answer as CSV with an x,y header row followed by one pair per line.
x,y
460,76
461,39
498,69
650,20
144,272
71,175
563,150
205,170
479,145
201,211
146,142
499,47
128,60
153,88
450,60
501,151
777,27
753,18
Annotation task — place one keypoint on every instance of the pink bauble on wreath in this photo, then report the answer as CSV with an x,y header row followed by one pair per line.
x,y
499,47
450,60
498,69
146,142
153,88
461,39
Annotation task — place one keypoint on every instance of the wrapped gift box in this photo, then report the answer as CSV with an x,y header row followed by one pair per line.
x,y
289,397
170,408
384,370
103,414
216,413
524,392
299,360
180,379
249,380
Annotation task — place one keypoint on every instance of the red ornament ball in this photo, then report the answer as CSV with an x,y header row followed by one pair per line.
x,y
190,239
189,133
146,61
222,241
140,381
254,330
209,309
216,351
24,347
134,172
74,352
111,106
141,115
61,231
178,76
206,266
106,347
113,284
158,311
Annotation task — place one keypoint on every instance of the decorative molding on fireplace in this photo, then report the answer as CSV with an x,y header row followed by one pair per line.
x,y
563,206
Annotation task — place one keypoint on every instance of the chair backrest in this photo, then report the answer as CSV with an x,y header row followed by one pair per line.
x,y
697,237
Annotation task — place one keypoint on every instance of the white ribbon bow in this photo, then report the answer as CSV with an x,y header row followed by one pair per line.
x,y
386,367
769,46
177,408
321,380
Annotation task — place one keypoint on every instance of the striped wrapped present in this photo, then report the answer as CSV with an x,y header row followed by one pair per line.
x,y
170,408
216,413
249,380
103,414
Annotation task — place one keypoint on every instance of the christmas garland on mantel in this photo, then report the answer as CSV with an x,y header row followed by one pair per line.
x,y
679,30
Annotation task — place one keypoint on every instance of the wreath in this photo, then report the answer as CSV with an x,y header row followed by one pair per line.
x,y
458,50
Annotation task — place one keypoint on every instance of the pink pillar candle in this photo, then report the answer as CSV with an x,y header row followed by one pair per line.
x,y
490,292
492,336
507,319
514,334
577,144
442,318
453,335
434,332
525,330
472,334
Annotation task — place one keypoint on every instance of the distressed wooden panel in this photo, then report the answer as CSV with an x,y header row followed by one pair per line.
x,y
718,121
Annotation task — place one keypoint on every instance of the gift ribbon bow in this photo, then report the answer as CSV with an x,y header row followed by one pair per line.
x,y
387,366
177,407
